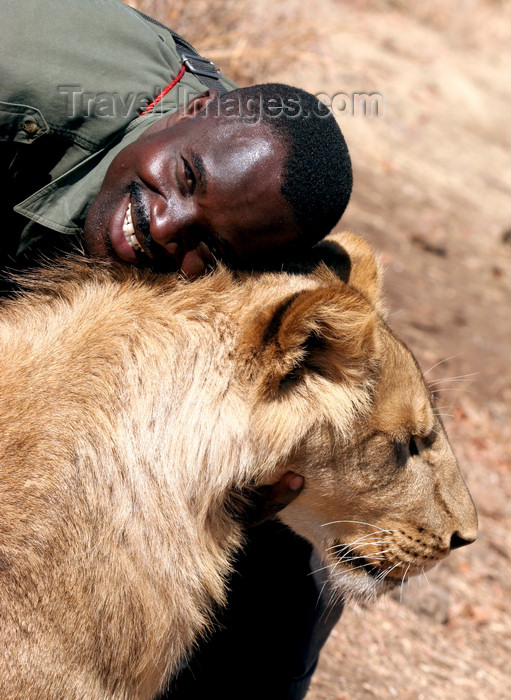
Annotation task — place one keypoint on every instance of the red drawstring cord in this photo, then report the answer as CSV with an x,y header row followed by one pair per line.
x,y
164,92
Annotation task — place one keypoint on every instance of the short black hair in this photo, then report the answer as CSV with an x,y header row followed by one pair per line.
x,y
317,176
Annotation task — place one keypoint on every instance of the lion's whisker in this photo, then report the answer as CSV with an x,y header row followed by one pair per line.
x,y
332,565
354,522
425,577
402,583
385,573
320,594
446,388
440,362
459,378
375,555
345,558
360,541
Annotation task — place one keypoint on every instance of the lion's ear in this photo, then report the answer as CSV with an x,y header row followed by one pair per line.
x,y
328,331
363,271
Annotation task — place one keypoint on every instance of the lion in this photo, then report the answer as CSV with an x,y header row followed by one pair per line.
x,y
138,410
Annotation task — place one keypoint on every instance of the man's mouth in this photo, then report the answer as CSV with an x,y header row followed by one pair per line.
x,y
129,230
137,219
130,235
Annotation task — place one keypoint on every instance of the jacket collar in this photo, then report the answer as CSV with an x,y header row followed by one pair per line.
x,y
62,205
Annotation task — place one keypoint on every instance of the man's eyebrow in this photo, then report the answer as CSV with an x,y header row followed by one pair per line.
x,y
201,170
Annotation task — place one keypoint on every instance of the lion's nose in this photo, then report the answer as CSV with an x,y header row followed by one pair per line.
x,y
458,541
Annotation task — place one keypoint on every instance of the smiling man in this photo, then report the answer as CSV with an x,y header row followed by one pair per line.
x,y
248,176
116,136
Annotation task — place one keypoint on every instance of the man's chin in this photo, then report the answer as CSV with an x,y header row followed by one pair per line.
x,y
96,245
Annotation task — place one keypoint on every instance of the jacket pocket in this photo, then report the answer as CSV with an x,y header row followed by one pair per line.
x,y
21,123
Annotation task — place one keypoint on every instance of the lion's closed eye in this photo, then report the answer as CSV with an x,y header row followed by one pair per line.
x,y
405,450
413,448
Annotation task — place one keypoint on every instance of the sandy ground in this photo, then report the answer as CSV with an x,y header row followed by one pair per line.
x,y
431,194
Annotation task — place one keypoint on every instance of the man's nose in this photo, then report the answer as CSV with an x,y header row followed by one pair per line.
x,y
170,222
176,229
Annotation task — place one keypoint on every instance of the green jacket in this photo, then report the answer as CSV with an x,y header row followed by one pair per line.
x,y
75,76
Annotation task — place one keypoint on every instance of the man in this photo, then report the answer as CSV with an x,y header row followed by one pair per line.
x,y
75,77
115,136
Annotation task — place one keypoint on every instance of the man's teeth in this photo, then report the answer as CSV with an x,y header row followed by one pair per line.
x,y
129,230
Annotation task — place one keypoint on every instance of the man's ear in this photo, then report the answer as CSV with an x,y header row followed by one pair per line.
x,y
197,104
190,109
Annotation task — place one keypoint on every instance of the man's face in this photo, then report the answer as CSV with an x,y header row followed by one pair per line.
x,y
192,189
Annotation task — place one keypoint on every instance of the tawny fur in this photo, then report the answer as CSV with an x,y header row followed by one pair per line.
x,y
134,406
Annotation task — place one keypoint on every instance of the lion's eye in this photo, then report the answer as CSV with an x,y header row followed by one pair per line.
x,y
413,447
405,450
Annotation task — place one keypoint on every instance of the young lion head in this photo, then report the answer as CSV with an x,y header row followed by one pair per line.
x,y
339,399
135,407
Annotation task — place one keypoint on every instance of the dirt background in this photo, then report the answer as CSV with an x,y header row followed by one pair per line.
x,y
431,194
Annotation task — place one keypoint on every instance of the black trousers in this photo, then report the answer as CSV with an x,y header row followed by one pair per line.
x,y
268,640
